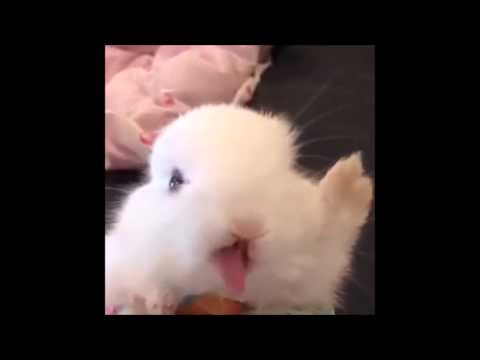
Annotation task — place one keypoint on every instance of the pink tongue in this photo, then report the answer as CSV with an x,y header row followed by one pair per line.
x,y
232,268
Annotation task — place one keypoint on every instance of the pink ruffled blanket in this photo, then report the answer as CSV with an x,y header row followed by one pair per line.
x,y
146,87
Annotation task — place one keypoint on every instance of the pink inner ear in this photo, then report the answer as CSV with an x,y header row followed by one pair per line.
x,y
149,138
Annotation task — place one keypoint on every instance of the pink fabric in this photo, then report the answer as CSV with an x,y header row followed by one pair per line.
x,y
148,86
111,311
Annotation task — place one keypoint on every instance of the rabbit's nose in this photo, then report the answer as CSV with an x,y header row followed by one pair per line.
x,y
247,228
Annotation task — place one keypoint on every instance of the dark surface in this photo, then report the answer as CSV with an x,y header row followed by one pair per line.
x,y
330,91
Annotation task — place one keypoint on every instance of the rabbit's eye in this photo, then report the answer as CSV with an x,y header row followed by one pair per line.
x,y
176,181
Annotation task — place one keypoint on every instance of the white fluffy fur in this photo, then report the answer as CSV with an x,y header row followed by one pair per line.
x,y
236,162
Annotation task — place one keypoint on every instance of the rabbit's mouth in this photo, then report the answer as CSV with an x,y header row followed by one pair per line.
x,y
234,263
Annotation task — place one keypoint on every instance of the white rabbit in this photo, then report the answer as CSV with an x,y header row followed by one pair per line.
x,y
225,209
